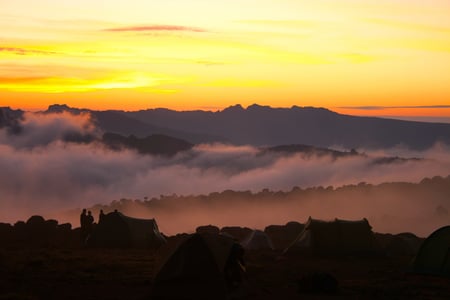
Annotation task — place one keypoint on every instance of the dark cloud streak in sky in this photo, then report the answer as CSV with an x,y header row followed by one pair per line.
x,y
394,107
25,51
150,28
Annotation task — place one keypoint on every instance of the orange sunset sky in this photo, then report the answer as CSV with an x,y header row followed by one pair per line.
x,y
366,57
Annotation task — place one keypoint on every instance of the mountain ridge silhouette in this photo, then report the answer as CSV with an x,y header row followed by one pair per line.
x,y
265,126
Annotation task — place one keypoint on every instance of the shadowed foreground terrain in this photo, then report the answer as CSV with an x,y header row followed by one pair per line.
x,y
128,274
46,266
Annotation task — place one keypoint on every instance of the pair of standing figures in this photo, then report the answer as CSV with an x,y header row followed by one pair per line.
x,y
87,224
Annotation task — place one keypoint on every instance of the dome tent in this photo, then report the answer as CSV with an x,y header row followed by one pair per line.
x,y
338,237
257,240
434,254
195,267
119,231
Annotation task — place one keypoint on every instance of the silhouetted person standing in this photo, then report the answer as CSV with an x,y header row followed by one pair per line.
x,y
89,223
101,216
235,266
83,225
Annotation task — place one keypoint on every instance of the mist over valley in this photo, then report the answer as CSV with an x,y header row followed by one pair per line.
x,y
57,161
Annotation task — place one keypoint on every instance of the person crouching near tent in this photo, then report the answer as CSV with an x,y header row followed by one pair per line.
x,y
235,267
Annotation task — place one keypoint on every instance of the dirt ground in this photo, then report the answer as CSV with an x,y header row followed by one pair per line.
x,y
127,274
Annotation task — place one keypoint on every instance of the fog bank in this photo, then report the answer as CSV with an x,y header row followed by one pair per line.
x,y
43,171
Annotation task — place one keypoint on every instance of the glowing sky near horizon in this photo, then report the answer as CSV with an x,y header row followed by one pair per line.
x,y
367,57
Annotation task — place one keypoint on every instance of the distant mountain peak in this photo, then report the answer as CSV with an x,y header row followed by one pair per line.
x,y
59,108
256,106
8,109
10,118
234,108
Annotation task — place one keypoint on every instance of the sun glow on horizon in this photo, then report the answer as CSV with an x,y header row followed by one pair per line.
x,y
191,54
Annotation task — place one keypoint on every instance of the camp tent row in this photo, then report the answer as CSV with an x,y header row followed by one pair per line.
x,y
322,237
195,266
318,237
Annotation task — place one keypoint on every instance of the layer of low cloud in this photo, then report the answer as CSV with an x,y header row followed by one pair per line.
x,y
42,173
44,129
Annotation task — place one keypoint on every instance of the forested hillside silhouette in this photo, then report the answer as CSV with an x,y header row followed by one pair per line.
x,y
390,207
